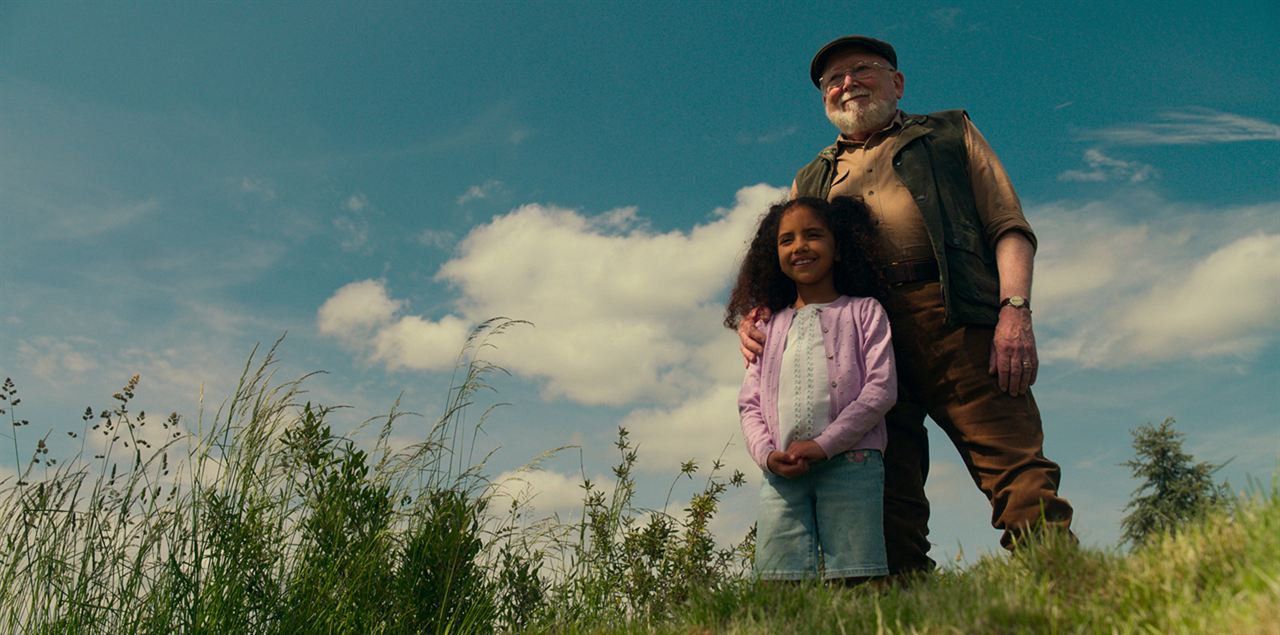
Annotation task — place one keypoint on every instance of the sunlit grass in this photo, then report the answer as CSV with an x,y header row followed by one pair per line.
x,y
262,519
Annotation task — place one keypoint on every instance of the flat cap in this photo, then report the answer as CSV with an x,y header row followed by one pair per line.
x,y
879,47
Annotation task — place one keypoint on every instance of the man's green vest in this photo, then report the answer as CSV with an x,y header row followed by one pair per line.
x,y
933,163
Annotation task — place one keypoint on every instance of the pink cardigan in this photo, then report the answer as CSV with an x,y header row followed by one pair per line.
x,y
864,384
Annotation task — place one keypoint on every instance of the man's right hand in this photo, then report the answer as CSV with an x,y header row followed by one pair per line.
x,y
752,345
786,465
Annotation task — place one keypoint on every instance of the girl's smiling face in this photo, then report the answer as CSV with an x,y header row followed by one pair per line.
x,y
806,250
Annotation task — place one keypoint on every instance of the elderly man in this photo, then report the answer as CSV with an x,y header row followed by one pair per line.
x,y
957,254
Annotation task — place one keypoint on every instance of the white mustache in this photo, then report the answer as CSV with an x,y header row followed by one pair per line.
x,y
850,95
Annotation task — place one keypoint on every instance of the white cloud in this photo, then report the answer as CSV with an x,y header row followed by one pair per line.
x,y
1189,126
1105,168
353,233
356,308
548,491
1185,283
1226,305
54,359
363,316
948,479
353,227
620,219
437,238
703,428
623,315
418,344
176,378
482,191
613,309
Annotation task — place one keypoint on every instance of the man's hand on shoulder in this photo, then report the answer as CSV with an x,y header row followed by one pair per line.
x,y
752,338
1013,351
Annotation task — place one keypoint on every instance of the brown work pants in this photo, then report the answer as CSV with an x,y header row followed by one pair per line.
x,y
942,373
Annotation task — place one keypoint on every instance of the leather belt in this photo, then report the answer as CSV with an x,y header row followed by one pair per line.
x,y
910,271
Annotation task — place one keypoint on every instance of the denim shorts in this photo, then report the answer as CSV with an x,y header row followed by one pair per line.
x,y
828,523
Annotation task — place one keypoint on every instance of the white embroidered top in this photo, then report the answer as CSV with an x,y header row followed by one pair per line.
x,y
804,398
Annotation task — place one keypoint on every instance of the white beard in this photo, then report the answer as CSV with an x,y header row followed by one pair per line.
x,y
853,119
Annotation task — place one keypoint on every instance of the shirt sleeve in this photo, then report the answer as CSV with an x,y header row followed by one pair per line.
x,y
879,389
998,205
755,431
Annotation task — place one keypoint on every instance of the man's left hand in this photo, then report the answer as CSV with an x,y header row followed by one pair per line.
x,y
1013,351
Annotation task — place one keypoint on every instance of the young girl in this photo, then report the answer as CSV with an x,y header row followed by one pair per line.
x,y
812,406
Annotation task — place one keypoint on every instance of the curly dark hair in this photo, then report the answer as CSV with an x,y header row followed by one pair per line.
x,y
761,281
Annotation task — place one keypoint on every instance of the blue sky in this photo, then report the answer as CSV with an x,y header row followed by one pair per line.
x,y
180,181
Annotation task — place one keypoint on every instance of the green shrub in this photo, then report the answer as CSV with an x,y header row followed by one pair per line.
x,y
273,523
1175,489
627,563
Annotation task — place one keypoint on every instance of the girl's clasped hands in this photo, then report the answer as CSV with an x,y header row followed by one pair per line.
x,y
795,461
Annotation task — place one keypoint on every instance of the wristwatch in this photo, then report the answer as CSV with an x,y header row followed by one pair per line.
x,y
1017,302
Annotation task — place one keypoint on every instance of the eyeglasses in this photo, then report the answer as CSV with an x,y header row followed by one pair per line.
x,y
860,73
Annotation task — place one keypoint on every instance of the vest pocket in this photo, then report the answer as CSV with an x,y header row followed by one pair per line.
x,y
973,277
968,238
971,266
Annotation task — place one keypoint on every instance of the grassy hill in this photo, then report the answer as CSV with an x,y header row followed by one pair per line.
x,y
1221,575
262,520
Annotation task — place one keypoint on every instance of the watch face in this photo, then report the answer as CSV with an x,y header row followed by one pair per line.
x,y
1016,301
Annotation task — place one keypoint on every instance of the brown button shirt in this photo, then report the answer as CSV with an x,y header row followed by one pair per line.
x,y
865,170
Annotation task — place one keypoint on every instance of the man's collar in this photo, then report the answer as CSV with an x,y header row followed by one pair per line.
x,y
896,122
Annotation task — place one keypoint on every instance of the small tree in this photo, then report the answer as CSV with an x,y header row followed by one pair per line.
x,y
1175,488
